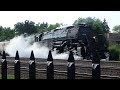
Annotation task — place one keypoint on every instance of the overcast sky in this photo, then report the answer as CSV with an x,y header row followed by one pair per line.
x,y
9,18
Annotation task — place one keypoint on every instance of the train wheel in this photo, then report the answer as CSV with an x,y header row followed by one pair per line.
x,y
60,50
66,48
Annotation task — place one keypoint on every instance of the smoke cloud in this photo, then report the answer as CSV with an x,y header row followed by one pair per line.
x,y
25,45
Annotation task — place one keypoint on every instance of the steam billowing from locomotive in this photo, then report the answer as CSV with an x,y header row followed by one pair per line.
x,y
26,44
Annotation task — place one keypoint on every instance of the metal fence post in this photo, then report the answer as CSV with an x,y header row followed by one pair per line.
x,y
96,66
50,66
4,66
95,60
32,67
17,66
71,66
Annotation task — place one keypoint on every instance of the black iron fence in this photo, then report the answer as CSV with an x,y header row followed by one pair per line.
x,y
50,67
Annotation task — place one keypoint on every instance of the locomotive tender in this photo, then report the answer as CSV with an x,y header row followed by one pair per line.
x,y
76,38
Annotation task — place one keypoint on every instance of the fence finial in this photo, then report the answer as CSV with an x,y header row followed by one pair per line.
x,y
71,57
32,66
4,55
50,58
17,56
32,56
50,66
71,66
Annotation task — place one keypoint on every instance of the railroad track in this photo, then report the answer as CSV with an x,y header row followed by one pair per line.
x,y
109,69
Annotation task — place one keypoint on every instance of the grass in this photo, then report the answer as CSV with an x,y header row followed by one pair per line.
x,y
9,76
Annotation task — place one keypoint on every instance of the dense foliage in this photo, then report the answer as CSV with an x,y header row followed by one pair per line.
x,y
116,29
29,27
6,33
43,27
25,27
96,24
114,51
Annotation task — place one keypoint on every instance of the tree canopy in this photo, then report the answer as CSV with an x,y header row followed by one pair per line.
x,y
6,33
29,27
25,27
116,29
43,27
96,24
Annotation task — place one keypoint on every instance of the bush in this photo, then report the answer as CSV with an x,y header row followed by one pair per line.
x,y
114,51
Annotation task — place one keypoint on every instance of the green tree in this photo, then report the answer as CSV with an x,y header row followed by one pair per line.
x,y
1,28
116,29
96,24
6,34
25,27
42,27
53,26
114,51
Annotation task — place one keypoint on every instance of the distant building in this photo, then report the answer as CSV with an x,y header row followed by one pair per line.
x,y
114,38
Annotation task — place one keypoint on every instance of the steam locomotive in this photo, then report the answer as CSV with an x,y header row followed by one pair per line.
x,y
80,39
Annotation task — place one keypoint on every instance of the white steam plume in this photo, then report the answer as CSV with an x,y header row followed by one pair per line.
x,y
25,45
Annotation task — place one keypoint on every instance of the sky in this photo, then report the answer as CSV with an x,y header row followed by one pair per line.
x,y
9,18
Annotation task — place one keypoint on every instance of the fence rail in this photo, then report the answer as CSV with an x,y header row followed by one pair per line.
x,y
50,70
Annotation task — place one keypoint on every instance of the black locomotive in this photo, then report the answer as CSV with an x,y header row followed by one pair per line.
x,y
79,39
